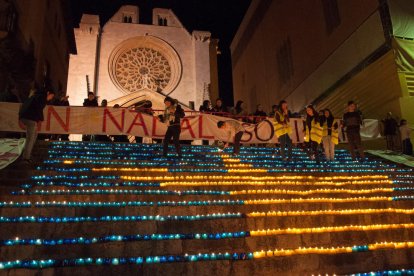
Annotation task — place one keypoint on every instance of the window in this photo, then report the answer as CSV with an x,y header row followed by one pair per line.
x,y
331,14
284,62
162,21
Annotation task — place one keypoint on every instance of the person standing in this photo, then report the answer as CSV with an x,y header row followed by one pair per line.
x,y
330,135
91,101
390,131
235,133
220,107
275,108
31,112
64,101
407,147
313,132
352,121
283,130
205,108
172,117
240,111
259,114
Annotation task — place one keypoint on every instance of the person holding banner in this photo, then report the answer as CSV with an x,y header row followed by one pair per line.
x,y
330,136
235,133
172,117
31,112
283,130
352,121
313,132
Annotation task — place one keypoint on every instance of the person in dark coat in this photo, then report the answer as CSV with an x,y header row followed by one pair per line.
x,y
220,107
64,101
172,117
352,121
205,108
31,112
91,101
259,114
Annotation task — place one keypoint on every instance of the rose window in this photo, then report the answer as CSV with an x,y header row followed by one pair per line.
x,y
145,63
141,68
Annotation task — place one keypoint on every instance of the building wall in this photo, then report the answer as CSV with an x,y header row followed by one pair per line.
x,y
376,89
43,26
82,64
268,25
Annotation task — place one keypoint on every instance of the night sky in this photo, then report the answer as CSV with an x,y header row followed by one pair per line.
x,y
220,17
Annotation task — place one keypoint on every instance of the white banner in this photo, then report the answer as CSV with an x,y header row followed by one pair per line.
x,y
122,121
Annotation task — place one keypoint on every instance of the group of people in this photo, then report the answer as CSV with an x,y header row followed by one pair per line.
x,y
397,135
319,128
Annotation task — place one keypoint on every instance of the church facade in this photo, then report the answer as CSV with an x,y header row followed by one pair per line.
x,y
126,62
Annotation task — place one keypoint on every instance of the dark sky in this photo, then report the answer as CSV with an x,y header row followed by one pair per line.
x,y
220,17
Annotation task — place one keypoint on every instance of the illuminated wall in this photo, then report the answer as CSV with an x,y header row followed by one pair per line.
x,y
129,60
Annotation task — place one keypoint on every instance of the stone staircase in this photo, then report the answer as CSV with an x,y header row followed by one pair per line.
x,y
122,209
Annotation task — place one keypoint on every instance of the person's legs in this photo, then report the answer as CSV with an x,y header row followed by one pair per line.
x,y
353,143
282,142
31,136
289,146
326,147
176,139
237,139
331,149
358,144
166,141
314,150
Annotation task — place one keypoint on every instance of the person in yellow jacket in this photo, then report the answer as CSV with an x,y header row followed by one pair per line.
x,y
329,134
283,130
313,132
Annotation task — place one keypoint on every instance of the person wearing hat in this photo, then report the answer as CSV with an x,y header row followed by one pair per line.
x,y
172,117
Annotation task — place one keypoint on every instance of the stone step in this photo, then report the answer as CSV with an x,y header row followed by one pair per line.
x,y
47,230
194,210
181,247
291,265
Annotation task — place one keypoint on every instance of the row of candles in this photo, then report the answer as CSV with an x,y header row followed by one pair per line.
x,y
264,183
201,236
234,192
331,212
124,238
117,192
27,204
266,177
65,219
37,264
91,184
333,250
213,216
